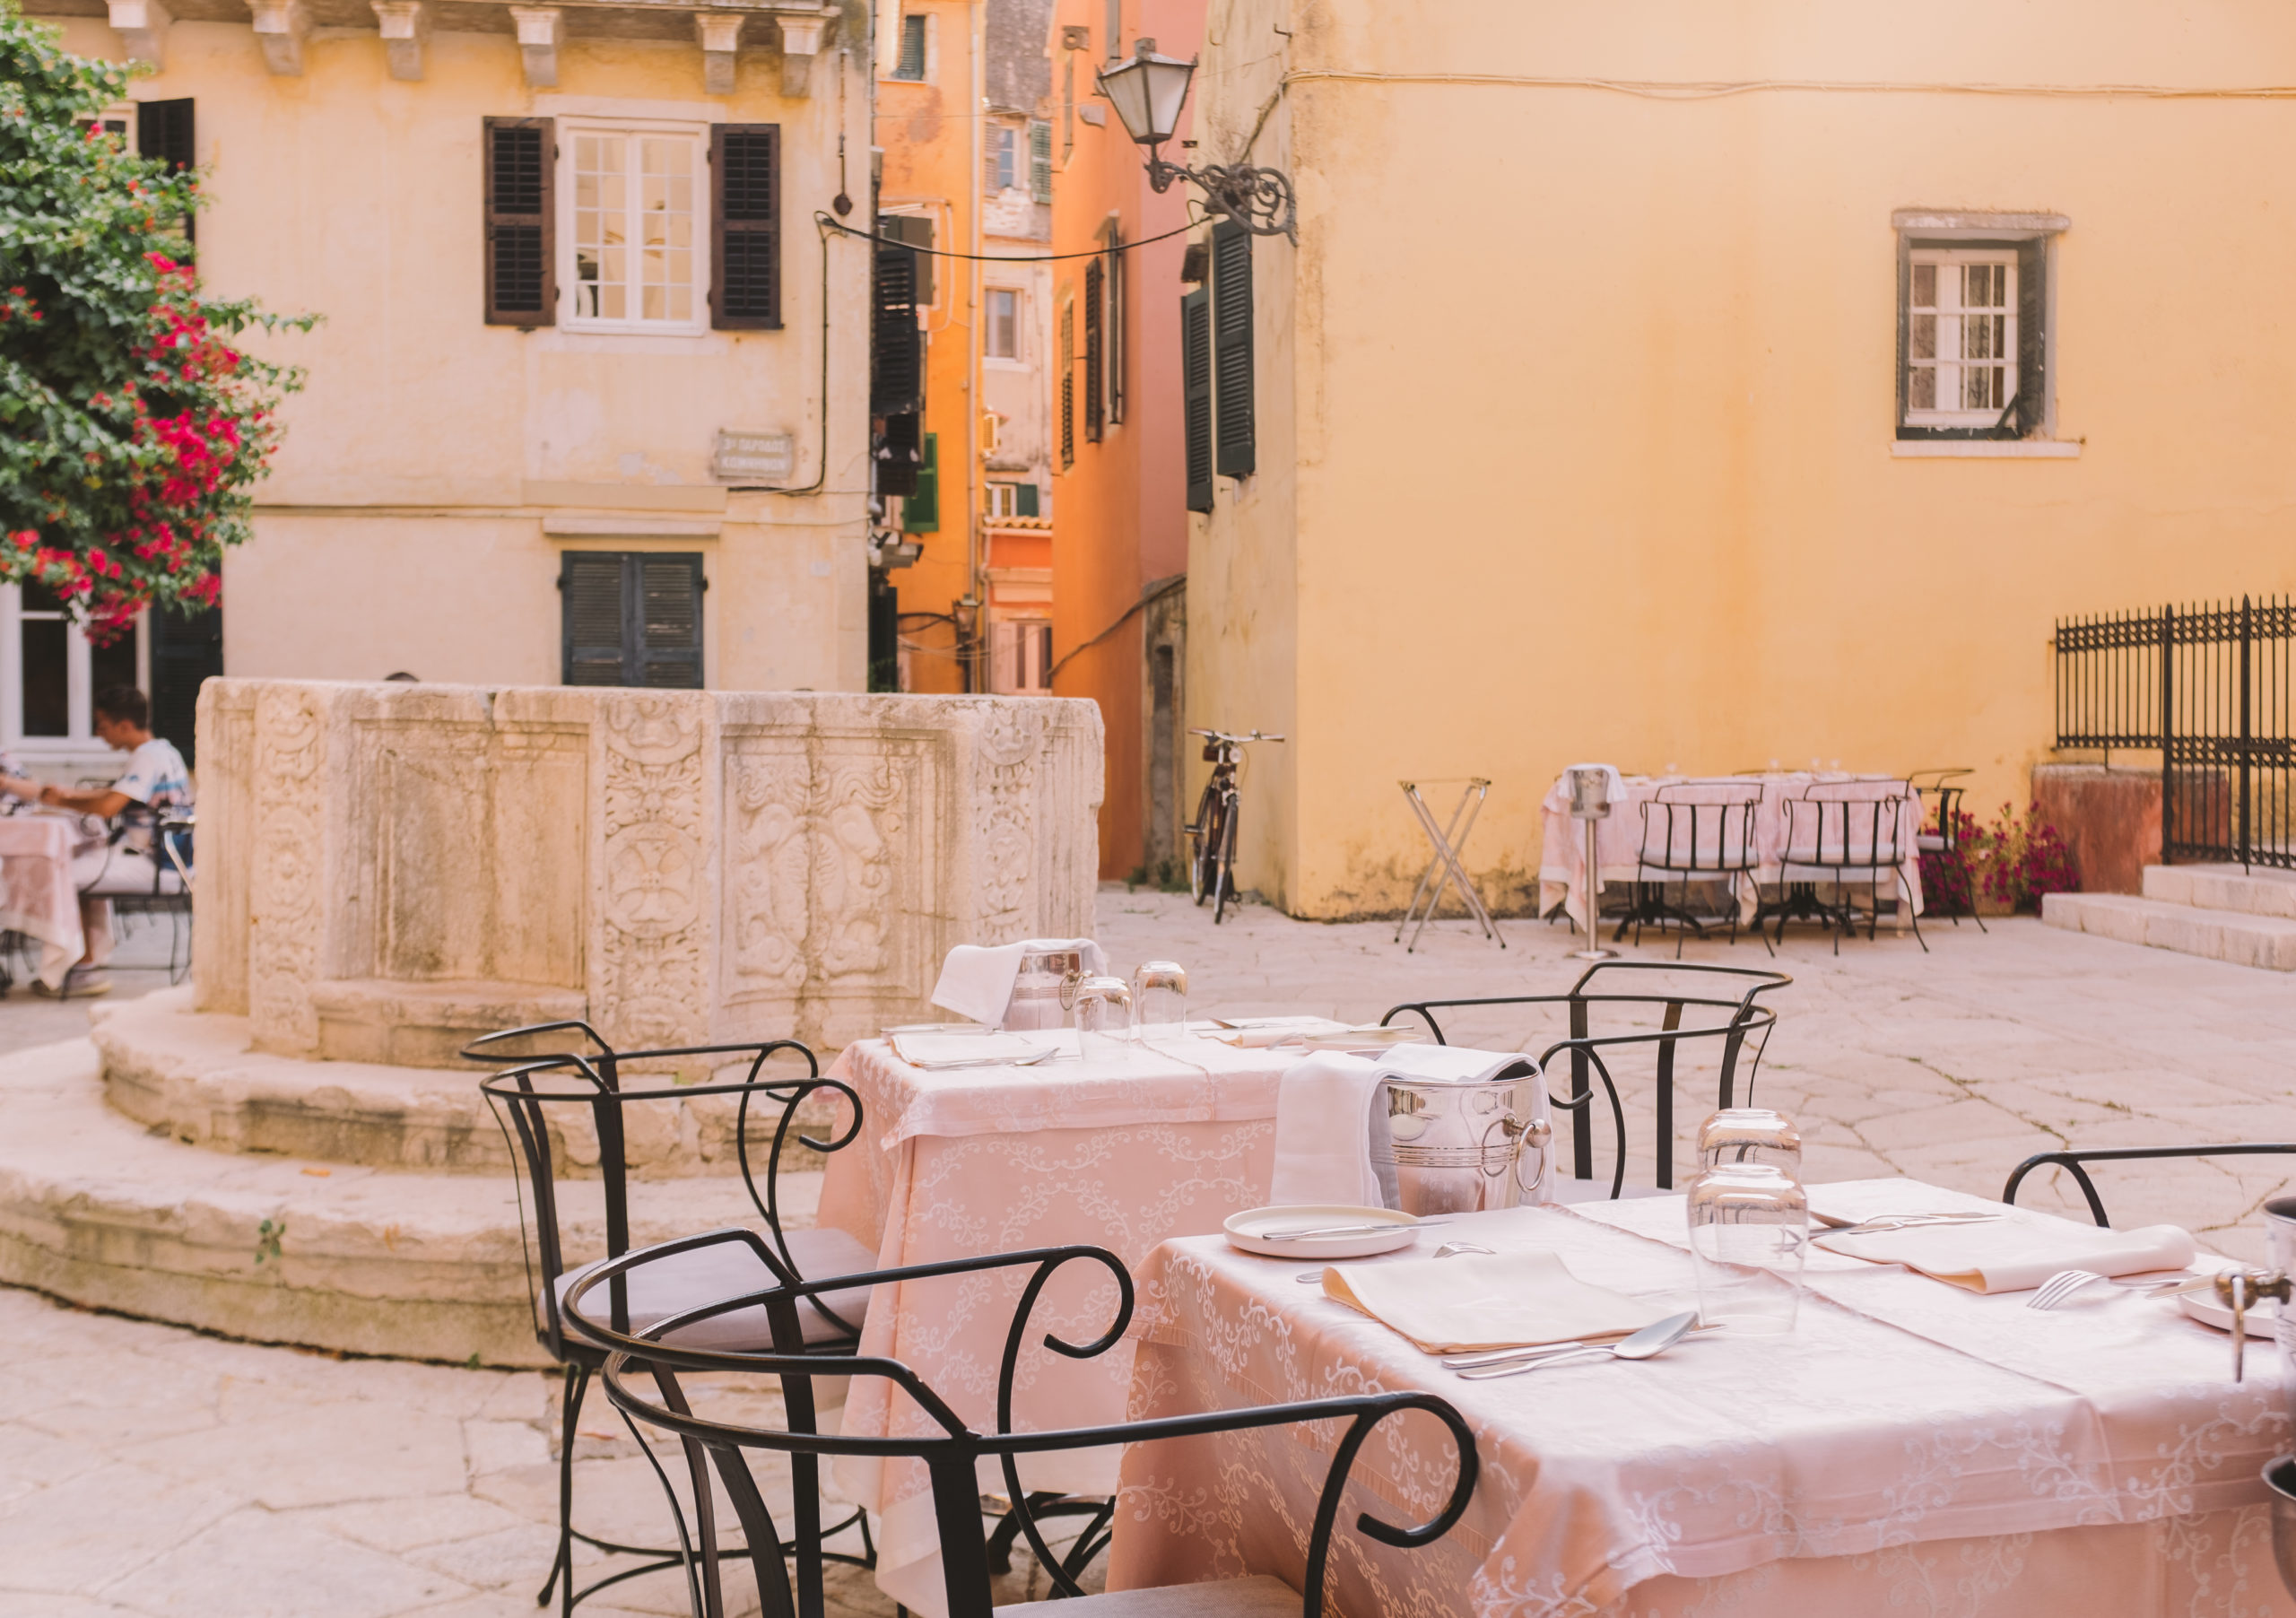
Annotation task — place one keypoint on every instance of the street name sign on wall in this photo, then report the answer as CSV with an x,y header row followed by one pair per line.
x,y
748,456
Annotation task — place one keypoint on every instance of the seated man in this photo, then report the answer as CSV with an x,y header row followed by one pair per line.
x,y
155,780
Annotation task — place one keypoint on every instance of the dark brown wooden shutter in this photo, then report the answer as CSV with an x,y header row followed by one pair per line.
x,y
166,130
900,452
521,206
897,348
2032,337
590,612
745,227
1196,395
1231,346
668,639
632,618
1095,353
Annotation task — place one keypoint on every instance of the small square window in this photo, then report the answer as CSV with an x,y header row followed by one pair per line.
x,y
1003,323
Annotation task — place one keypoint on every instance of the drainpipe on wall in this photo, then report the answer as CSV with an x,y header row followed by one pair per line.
x,y
977,564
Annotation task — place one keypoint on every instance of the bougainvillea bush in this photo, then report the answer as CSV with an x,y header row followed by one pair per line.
x,y
2014,863
131,427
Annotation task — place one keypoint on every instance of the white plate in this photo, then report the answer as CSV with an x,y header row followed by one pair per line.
x,y
2204,1307
1249,1229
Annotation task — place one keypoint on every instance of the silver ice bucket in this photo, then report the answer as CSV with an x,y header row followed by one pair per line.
x,y
1462,1145
1043,992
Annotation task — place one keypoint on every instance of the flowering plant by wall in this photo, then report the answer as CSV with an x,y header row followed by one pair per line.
x,y
131,425
2013,863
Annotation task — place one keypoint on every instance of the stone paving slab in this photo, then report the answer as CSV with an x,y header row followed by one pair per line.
x,y
150,1470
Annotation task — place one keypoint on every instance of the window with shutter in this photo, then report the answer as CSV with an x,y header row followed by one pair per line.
x,y
166,130
632,618
1231,346
1972,337
1196,395
916,231
745,227
1067,384
920,513
911,63
897,358
1040,161
1024,500
519,207
1112,340
899,453
1095,399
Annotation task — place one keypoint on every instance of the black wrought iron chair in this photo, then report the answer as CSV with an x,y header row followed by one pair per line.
x,y
1734,1022
1693,832
165,889
2075,1161
531,1097
953,1455
1843,833
1942,799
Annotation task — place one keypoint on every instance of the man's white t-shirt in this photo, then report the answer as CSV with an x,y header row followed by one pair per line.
x,y
155,778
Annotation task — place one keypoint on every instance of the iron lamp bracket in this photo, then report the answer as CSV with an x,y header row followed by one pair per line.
x,y
1261,200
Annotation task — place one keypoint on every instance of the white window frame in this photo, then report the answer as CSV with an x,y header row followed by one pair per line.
x,y
1949,320
79,675
1021,657
1019,357
569,317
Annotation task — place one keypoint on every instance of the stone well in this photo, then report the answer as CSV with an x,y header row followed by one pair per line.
x,y
288,1150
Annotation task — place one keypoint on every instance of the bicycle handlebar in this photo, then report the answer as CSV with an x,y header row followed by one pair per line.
x,y
1221,735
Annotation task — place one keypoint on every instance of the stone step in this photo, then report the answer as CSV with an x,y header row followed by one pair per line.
x,y
99,1210
2238,936
2252,890
192,1075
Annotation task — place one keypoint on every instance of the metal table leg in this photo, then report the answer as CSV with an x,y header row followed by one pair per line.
x,y
1443,870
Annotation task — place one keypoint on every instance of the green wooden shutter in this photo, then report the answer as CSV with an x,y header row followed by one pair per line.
x,y
1095,351
1231,346
591,617
666,644
920,513
745,227
2032,337
1040,161
1196,395
1024,500
520,199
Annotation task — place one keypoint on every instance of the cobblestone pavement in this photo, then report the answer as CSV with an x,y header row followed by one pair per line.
x,y
147,1470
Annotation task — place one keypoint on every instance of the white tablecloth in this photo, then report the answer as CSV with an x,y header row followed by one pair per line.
x,y
954,1164
1909,1448
37,896
1618,839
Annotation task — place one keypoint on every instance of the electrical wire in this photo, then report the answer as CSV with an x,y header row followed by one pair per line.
x,y
1123,247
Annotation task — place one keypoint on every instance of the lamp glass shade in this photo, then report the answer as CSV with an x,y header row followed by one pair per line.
x,y
1148,92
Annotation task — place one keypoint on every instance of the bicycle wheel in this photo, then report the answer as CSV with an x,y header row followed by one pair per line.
x,y
1225,888
1204,841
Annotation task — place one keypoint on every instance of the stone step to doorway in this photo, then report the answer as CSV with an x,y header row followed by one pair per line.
x,y
2239,936
2252,890
98,1209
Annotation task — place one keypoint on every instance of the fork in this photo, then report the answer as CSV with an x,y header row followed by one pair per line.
x,y
2062,1285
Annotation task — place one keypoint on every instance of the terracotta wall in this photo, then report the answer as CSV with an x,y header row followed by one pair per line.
x,y
2109,814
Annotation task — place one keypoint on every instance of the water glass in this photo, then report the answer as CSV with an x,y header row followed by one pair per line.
x,y
1749,1232
1160,1000
1750,1134
1103,1017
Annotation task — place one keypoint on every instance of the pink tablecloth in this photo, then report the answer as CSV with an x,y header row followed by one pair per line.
x,y
37,897
1618,839
1909,1448
1167,1142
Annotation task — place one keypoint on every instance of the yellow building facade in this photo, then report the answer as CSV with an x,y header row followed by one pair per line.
x,y
623,340
1697,387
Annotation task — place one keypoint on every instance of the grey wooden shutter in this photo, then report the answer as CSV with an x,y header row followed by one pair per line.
x,y
1196,395
520,205
667,641
1095,353
745,227
897,348
590,616
1040,161
1231,346
2032,336
166,130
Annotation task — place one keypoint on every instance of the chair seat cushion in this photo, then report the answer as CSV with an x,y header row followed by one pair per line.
x,y
671,1286
1255,1597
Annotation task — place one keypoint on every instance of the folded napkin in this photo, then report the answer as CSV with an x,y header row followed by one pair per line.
x,y
977,982
1499,1300
2011,1255
932,1048
1326,1108
1323,1035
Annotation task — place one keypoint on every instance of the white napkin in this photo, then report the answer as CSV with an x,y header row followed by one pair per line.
x,y
2013,1256
977,982
1326,1108
1498,1300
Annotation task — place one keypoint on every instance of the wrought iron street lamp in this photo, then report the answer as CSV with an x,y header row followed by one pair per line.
x,y
1148,92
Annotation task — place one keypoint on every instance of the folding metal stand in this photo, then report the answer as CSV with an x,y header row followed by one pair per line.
x,y
1443,870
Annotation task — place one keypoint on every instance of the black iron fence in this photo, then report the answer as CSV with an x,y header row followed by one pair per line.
x,y
2208,688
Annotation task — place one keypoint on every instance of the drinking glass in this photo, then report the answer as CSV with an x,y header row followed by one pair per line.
x,y
1750,1134
1160,1000
1749,1230
1103,1017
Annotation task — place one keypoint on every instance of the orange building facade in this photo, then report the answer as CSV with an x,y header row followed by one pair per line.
x,y
1119,552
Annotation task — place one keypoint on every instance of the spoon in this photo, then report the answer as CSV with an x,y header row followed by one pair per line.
x,y
1650,1340
1502,1356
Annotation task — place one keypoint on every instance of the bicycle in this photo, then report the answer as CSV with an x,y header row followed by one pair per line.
x,y
1211,865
